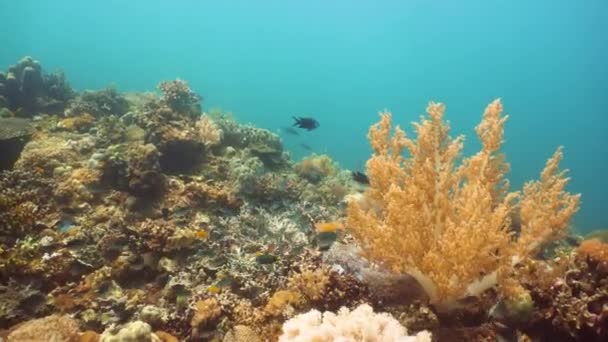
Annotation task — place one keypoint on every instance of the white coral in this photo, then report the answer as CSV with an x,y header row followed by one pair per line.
x,y
361,324
137,331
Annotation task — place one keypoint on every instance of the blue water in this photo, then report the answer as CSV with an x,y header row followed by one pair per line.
x,y
342,61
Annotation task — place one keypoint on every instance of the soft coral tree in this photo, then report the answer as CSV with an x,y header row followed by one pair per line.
x,y
448,225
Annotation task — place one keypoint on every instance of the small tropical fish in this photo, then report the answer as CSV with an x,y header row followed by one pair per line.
x,y
213,289
306,123
306,147
360,177
328,227
289,130
202,234
325,240
265,258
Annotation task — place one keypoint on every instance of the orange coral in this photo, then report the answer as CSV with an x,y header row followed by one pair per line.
x,y
448,225
312,284
206,313
593,249
281,301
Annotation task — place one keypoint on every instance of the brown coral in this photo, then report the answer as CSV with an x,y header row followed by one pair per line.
x,y
206,314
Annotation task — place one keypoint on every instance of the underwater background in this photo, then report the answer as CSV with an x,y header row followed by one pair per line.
x,y
343,61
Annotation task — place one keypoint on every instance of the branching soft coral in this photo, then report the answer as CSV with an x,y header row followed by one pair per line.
x,y
448,225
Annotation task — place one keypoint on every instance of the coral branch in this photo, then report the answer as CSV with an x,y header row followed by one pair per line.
x,y
449,226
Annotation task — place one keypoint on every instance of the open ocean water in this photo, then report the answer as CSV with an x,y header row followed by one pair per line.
x,y
343,61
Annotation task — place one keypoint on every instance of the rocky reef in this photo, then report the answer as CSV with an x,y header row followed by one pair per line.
x,y
141,217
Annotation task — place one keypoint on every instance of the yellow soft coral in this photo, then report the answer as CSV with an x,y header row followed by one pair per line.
x,y
449,226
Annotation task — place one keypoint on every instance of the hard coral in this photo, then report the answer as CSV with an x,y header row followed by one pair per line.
x,y
311,284
205,316
98,103
50,328
448,225
24,199
178,95
26,90
80,123
209,133
360,324
315,168
176,135
570,300
283,303
46,156
594,249
137,331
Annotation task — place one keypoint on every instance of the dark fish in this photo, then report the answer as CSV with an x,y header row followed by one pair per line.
x,y
290,130
360,177
306,147
306,123
325,240
265,259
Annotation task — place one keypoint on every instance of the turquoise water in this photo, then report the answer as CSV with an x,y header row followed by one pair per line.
x,y
343,61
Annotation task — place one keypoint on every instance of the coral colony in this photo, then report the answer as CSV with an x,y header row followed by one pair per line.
x,y
141,217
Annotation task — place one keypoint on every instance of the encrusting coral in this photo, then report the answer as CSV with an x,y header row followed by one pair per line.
x,y
450,226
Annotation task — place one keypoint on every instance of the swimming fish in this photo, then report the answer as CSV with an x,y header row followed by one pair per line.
x,y
202,234
306,123
289,130
360,177
328,227
265,258
306,147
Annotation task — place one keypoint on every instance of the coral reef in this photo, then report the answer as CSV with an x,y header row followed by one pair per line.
x,y
25,90
569,296
180,98
98,103
449,226
139,217
175,126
